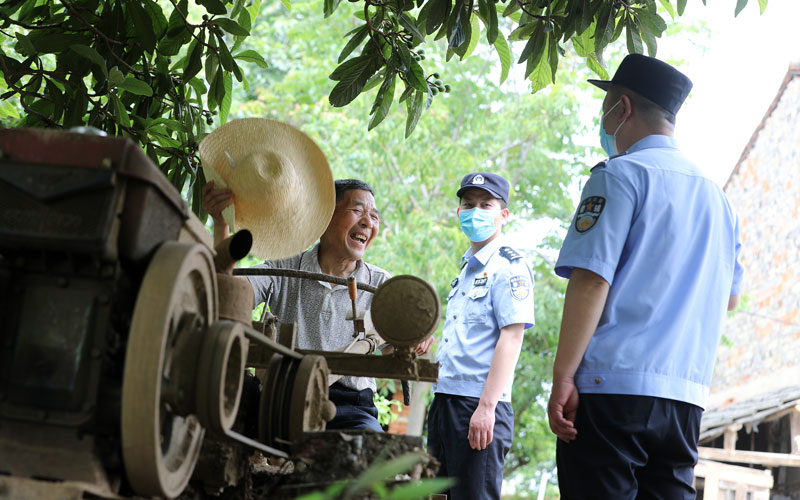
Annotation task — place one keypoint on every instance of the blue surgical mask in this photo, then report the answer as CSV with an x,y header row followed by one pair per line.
x,y
477,223
609,141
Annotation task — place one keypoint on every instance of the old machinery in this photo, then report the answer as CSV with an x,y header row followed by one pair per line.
x,y
126,343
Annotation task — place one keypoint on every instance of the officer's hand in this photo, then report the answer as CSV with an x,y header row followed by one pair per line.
x,y
481,427
214,201
561,409
424,346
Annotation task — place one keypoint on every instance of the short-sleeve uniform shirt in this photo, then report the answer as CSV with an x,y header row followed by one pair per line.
x,y
493,290
319,311
667,241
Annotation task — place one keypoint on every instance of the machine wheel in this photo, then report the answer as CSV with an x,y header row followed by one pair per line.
x,y
160,448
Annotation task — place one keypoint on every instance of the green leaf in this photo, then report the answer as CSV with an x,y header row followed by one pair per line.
x,y
740,4
668,7
491,29
287,4
251,56
504,53
192,64
24,45
414,108
406,93
681,7
53,43
408,23
115,77
649,40
134,86
552,56
213,6
329,7
144,25
536,44
225,57
227,98
358,37
540,76
7,110
439,11
92,55
119,111
353,80
383,101
762,4
594,64
633,39
231,26
414,73
475,31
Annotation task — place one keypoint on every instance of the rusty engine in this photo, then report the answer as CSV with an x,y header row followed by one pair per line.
x,y
125,346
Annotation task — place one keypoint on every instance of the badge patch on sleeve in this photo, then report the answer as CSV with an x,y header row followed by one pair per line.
x,y
589,212
520,287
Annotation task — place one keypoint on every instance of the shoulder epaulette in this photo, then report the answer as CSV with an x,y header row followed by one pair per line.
x,y
602,164
509,253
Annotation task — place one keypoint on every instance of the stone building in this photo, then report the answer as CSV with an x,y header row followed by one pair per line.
x,y
750,434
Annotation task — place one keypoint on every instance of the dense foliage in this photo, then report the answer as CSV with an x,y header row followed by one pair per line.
x,y
163,71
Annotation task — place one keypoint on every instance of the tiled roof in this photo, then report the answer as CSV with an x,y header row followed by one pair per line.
x,y
748,412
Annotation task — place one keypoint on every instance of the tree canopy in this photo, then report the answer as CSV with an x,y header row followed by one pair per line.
x,y
162,72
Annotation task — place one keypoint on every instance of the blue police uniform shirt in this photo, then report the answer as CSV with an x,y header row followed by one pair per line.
x,y
493,290
667,241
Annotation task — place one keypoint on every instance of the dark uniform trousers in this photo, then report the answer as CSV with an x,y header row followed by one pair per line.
x,y
354,409
630,447
479,474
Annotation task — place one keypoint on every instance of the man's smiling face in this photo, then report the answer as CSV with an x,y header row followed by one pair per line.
x,y
354,225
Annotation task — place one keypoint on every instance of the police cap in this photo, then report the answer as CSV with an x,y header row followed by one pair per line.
x,y
652,79
494,184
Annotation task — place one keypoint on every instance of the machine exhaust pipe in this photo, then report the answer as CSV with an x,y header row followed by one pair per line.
x,y
232,249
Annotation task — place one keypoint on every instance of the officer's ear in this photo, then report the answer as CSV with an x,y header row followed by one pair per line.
x,y
505,214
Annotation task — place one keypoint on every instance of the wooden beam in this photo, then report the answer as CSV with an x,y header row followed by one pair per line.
x,y
729,437
714,472
749,457
794,430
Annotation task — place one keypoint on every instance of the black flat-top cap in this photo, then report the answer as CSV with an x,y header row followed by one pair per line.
x,y
494,184
652,79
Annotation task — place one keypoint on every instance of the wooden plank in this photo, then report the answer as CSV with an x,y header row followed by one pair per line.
x,y
715,472
749,457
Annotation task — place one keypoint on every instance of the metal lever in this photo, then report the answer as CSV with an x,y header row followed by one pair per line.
x,y
352,290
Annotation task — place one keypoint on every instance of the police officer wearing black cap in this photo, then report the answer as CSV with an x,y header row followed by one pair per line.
x,y
490,304
652,262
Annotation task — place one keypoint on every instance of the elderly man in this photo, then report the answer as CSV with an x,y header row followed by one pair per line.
x,y
652,261
318,308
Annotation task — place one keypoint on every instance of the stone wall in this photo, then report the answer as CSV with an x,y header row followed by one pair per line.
x,y
761,346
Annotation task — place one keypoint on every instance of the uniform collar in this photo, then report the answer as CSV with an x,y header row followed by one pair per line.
x,y
484,253
653,141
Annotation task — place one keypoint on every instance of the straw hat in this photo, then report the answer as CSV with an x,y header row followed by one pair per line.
x,y
281,182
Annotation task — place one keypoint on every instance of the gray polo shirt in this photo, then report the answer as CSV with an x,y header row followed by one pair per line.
x,y
318,310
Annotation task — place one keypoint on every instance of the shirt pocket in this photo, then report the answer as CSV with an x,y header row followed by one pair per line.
x,y
477,308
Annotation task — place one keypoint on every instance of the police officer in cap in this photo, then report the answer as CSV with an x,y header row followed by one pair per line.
x,y
490,304
652,261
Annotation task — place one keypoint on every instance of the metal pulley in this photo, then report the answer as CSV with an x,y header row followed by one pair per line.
x,y
405,310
